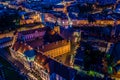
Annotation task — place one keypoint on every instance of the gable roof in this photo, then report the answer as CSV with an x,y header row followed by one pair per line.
x,y
21,47
53,45
32,31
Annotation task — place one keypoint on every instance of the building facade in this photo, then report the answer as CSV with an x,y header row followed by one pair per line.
x,y
40,58
56,48
29,18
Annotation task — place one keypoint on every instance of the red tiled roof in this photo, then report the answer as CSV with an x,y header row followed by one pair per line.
x,y
43,60
21,47
35,43
32,31
15,46
40,59
53,45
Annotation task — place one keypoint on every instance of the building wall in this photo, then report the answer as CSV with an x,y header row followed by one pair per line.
x,y
36,17
32,35
102,49
109,47
36,67
55,76
12,52
57,29
42,73
20,57
31,19
6,44
58,51
58,9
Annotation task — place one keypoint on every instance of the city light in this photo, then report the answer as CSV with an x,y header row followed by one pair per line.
x,y
59,40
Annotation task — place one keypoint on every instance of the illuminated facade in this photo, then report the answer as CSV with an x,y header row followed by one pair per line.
x,y
31,34
30,50
57,29
55,49
30,18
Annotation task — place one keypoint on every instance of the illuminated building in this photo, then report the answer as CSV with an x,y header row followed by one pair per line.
x,y
55,49
28,18
31,49
57,29
77,36
49,18
20,1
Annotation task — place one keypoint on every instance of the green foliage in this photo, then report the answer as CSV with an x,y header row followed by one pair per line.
x,y
110,70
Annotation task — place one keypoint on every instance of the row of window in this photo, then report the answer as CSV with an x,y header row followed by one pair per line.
x,y
58,51
32,36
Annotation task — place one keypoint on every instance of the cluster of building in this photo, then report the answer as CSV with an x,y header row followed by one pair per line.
x,y
30,18
31,49
38,49
83,1
105,44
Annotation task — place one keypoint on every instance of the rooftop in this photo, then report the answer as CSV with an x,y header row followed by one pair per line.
x,y
36,42
32,31
21,47
53,45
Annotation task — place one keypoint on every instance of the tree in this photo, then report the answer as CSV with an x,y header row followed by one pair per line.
x,y
109,63
9,21
92,58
